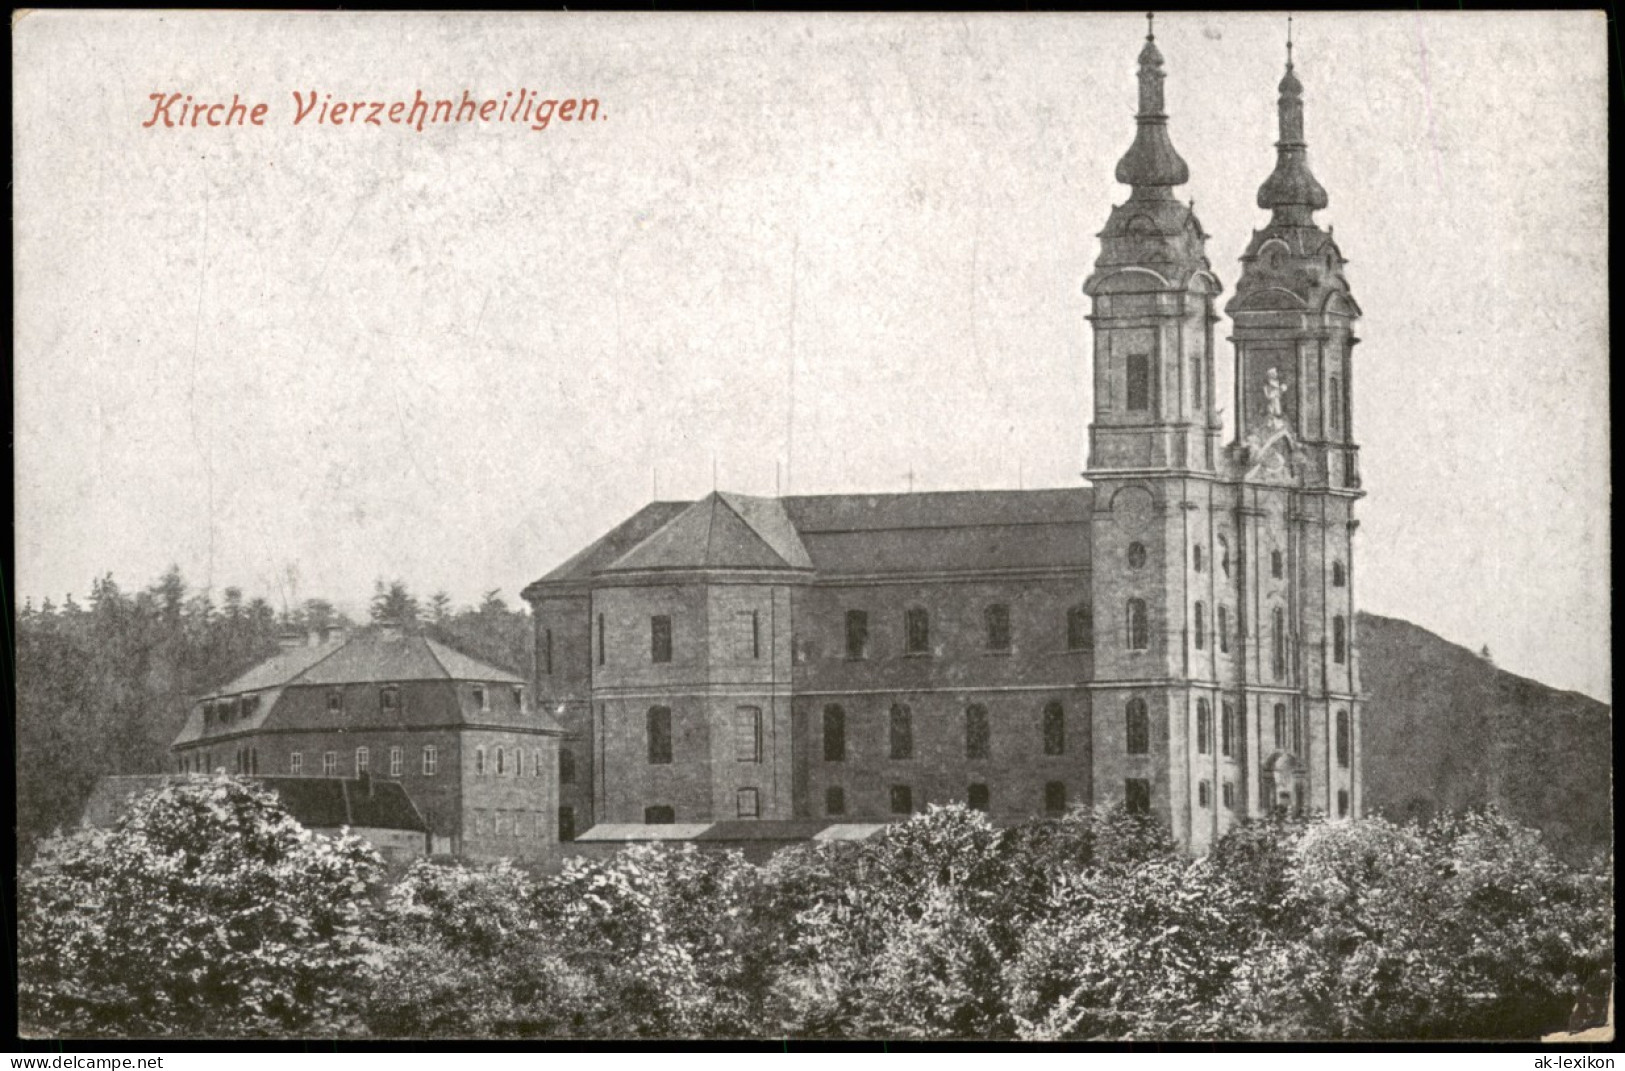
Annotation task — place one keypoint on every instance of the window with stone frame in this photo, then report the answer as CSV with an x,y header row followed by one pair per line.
x,y
658,725
1137,728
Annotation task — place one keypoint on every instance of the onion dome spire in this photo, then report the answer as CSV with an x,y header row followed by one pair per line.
x,y
1151,165
1291,191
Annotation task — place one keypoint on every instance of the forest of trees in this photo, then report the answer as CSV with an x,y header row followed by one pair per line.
x,y
207,911
103,686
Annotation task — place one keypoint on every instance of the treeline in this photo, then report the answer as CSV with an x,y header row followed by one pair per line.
x,y
208,912
103,686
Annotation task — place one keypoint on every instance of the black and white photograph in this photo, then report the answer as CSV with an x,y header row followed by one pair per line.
x,y
978,527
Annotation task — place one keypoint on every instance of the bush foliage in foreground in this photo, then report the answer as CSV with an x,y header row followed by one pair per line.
x,y
208,911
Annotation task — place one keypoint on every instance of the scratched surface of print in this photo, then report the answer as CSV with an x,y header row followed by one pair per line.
x,y
1086,527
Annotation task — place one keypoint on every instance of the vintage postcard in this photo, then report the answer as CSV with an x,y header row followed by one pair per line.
x,y
973,526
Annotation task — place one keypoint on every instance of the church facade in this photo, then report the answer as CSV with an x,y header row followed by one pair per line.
x,y
1176,636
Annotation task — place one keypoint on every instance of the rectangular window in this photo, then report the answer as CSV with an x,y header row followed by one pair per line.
x,y
1055,797
1204,794
659,733
389,698
747,636
431,761
363,761
1343,739
1139,382
1227,730
330,764
1278,644
917,629
1204,727
567,824
600,639
834,800
519,697
1054,729
1221,626
1335,405
976,732
1342,803
834,733
747,803
857,634
479,762
1282,733
1137,795
335,701
1340,641
567,766
481,699
659,815
977,798
1277,564
1196,383
536,763
660,638
545,655
1080,629
748,734
1228,792
902,799
397,761
998,627
296,763
901,733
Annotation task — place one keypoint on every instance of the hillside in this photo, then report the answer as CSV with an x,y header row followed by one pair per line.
x,y
1444,728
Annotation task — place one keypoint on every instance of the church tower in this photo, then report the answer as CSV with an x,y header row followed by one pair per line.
x,y
1299,478
1152,461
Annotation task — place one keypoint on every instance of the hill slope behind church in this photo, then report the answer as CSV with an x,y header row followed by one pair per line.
x,y
1445,729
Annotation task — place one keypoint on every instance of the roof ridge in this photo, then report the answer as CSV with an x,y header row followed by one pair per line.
x,y
711,525
430,645
337,647
755,531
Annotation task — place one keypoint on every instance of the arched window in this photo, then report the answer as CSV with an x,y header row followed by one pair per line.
x,y
976,731
1139,382
1136,555
1139,630
1054,729
502,761
567,766
1201,626
1224,555
479,761
902,732
1282,730
1339,575
1340,642
1335,404
1343,739
1080,628
658,731
1137,728
834,733
536,763
917,626
997,619
1204,727
1221,628
1227,729
1278,643
1196,557
363,761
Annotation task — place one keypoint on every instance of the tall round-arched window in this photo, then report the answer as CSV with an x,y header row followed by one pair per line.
x,y
1137,728
1138,628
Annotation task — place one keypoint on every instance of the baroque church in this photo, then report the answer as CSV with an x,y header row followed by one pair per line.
x,y
1177,636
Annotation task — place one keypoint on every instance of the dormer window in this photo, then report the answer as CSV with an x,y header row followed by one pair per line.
x,y
481,699
519,697
335,701
389,698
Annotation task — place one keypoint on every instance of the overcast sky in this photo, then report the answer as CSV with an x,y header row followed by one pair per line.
x,y
809,252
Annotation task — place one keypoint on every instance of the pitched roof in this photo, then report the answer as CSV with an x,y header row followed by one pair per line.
x,y
367,656
314,802
865,534
721,532
614,543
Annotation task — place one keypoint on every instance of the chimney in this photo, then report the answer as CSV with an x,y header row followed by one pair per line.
x,y
290,638
389,628
335,634
313,638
